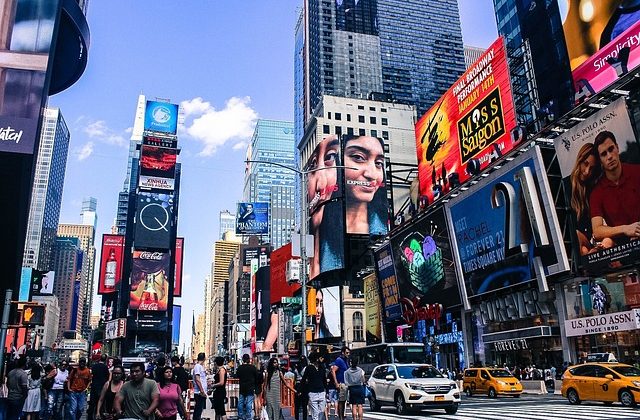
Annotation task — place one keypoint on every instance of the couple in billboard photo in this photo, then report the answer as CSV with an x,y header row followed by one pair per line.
x,y
366,202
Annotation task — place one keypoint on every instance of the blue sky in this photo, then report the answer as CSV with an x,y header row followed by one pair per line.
x,y
228,63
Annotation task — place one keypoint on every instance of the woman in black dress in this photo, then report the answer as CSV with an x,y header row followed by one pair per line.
x,y
105,407
220,389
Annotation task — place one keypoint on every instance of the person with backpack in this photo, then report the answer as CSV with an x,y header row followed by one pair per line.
x,y
313,385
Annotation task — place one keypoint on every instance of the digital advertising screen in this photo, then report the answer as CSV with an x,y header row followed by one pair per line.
x,y
503,231
327,323
252,219
279,286
389,288
263,303
179,256
468,128
157,168
600,167
259,253
325,201
42,283
161,117
367,209
425,270
28,38
602,42
175,325
159,141
372,310
111,259
154,219
149,281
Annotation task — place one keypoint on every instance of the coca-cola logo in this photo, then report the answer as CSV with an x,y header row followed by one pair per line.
x,y
412,311
146,255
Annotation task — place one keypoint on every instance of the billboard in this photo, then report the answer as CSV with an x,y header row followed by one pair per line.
x,y
367,209
177,274
259,253
425,271
154,214
42,283
602,45
279,286
116,328
158,141
506,229
389,289
600,167
372,315
328,315
325,203
157,168
77,282
149,281
161,117
263,305
175,325
468,127
252,219
111,259
28,29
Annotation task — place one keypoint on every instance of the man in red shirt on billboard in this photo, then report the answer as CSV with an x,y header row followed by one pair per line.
x,y
615,199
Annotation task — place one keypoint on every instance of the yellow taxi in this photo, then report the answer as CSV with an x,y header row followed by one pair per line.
x,y
606,382
491,381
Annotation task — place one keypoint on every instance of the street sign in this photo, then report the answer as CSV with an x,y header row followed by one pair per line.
x,y
288,300
298,328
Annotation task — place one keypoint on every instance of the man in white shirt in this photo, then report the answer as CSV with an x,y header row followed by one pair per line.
x,y
199,387
55,396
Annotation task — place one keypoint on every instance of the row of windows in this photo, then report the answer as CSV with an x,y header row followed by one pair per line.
x,y
326,129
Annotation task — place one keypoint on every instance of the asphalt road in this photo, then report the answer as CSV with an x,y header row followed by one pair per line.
x,y
530,407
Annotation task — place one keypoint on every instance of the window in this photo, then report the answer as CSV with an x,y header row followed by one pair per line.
x,y
350,131
362,132
358,330
384,121
372,108
361,118
348,117
329,115
339,131
372,120
325,129
385,135
338,116
361,107
470,372
484,374
374,133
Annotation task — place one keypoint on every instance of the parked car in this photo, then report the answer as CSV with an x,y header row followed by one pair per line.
x,y
606,382
491,381
412,387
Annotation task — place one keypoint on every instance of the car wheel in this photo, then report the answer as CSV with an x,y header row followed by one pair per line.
x,y
401,407
626,398
492,393
572,396
373,403
468,391
451,410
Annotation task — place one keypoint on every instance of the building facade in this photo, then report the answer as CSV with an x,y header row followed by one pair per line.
x,y
46,196
49,331
68,288
472,54
227,223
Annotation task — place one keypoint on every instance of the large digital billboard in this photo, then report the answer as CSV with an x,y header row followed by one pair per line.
x,y
389,288
425,270
161,117
279,286
602,42
372,310
506,229
259,253
154,216
325,206
27,34
111,259
367,209
42,283
252,219
177,274
468,127
175,325
328,315
149,281
600,167
157,168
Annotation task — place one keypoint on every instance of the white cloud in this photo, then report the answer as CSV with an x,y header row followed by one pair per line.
x,y
186,279
85,151
241,145
100,131
214,128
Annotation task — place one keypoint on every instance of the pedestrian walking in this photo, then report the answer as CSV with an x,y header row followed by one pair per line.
x,y
158,372
180,375
302,398
105,408
313,384
220,389
272,387
138,398
99,377
338,369
55,397
77,384
170,400
17,389
354,379
258,402
248,380
31,407
199,376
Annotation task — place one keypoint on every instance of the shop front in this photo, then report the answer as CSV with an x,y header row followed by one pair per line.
x,y
603,316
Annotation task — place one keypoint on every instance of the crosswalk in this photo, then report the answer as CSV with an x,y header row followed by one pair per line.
x,y
546,411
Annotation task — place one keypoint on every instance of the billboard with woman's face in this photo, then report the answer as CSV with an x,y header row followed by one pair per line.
x,y
325,204
327,321
366,195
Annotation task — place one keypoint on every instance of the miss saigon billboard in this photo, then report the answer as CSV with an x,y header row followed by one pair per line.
x,y
468,128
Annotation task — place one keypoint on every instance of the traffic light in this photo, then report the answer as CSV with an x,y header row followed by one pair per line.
x,y
32,314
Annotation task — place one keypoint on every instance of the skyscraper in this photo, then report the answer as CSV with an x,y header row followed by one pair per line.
x,y
472,54
227,223
88,215
68,260
44,212
273,141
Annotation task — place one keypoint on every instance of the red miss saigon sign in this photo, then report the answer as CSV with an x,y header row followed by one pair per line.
x,y
469,127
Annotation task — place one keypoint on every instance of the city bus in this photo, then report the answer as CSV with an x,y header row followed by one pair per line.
x,y
377,354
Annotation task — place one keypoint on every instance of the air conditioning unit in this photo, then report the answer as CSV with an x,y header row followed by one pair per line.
x,y
293,271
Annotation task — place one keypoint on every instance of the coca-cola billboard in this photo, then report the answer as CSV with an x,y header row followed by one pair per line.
x,y
149,281
111,263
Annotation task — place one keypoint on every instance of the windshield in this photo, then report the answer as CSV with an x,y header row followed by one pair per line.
x,y
411,372
626,370
413,354
500,373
